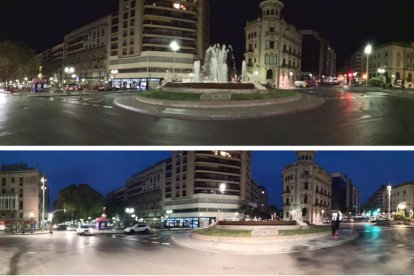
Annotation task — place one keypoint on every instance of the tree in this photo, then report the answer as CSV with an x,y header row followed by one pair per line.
x,y
17,61
80,201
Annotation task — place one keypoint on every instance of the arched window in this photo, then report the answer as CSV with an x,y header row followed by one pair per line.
x,y
410,77
304,212
266,59
398,76
271,59
305,199
269,74
273,12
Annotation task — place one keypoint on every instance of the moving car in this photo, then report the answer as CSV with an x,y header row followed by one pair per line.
x,y
84,230
137,228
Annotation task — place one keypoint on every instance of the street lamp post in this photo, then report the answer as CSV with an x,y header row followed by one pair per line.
x,y
389,200
129,211
50,216
114,72
367,51
43,180
67,70
222,189
174,47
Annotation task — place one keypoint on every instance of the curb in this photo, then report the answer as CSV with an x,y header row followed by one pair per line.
x,y
215,115
274,247
250,240
218,104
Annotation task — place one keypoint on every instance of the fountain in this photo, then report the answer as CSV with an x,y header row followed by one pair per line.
x,y
196,71
218,69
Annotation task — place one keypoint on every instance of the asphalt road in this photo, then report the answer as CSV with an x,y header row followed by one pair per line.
x,y
345,119
379,250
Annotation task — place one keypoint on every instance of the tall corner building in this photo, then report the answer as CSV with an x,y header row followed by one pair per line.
x,y
141,33
307,188
194,194
273,47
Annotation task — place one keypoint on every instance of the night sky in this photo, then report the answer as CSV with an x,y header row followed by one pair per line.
x,y
348,25
108,170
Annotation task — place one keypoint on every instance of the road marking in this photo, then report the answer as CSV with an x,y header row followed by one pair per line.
x,y
154,242
165,243
107,106
86,104
5,133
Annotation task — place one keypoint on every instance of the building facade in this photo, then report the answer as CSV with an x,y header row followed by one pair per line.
x,y
51,61
318,56
345,195
131,47
395,58
401,199
86,50
141,34
21,197
145,190
307,190
193,188
273,47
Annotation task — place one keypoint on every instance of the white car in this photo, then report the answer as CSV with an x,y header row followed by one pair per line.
x,y
85,230
138,228
300,84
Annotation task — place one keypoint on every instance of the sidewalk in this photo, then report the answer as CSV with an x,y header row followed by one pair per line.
x,y
266,245
306,102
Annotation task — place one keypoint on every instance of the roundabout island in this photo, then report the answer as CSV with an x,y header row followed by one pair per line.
x,y
220,104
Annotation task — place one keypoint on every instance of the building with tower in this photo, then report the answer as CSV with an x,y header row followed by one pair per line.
x,y
307,190
273,47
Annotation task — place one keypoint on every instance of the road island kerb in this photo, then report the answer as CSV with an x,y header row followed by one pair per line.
x,y
220,111
263,245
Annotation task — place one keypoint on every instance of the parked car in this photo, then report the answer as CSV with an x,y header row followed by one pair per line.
x,y
85,230
137,228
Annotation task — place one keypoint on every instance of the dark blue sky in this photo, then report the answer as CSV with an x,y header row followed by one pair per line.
x,y
107,170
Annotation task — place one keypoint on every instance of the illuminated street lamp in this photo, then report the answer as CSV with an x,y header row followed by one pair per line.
x,y
174,47
389,199
43,187
129,211
368,51
67,70
222,189
114,72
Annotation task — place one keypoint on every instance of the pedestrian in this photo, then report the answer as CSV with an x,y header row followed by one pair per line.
x,y
333,228
337,222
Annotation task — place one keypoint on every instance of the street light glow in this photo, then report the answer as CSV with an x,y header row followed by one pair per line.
x,y
174,46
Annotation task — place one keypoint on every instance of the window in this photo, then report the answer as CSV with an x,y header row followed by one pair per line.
x,y
20,205
12,180
3,181
272,29
21,181
272,44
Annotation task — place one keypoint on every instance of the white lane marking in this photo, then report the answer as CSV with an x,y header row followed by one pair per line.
x,y
154,242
